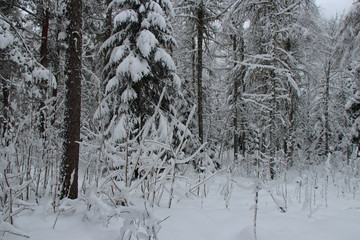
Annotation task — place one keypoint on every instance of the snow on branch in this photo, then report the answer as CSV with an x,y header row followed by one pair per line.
x,y
162,56
146,42
134,67
293,83
128,15
158,20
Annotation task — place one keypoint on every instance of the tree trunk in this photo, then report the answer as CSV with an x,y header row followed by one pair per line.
x,y
235,100
193,63
200,38
289,138
238,48
272,128
70,159
108,22
5,114
7,67
44,38
45,62
326,109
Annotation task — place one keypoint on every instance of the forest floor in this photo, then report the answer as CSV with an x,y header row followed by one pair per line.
x,y
195,218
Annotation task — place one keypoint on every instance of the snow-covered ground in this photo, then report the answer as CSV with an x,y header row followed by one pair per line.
x,y
207,218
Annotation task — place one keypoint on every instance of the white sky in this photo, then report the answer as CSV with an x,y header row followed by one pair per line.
x,y
331,7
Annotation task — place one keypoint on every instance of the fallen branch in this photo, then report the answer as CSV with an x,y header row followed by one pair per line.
x,y
8,228
205,180
14,233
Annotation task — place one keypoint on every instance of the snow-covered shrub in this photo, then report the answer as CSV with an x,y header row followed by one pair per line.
x,y
138,224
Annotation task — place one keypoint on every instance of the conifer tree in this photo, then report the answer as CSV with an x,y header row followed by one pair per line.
x,y
138,64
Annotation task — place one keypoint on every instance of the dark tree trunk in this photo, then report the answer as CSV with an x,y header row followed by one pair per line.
x,y
58,72
44,39
70,160
4,120
193,62
106,34
288,144
5,90
272,140
7,67
289,138
200,39
45,62
107,22
235,103
239,136
326,109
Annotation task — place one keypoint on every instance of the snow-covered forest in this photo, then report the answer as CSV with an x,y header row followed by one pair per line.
x,y
182,119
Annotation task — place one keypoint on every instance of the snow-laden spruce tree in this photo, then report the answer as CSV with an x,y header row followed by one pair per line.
x,y
138,65
140,85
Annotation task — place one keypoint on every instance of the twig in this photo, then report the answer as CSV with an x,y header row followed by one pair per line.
x,y
164,219
205,180
17,234
61,211
57,217
276,202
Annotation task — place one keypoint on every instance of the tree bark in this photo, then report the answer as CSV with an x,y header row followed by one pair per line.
x,y
70,159
108,22
193,62
326,108
238,48
44,38
272,129
235,100
7,67
200,38
45,62
4,120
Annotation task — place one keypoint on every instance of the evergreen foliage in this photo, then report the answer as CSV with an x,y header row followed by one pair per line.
x,y
138,66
